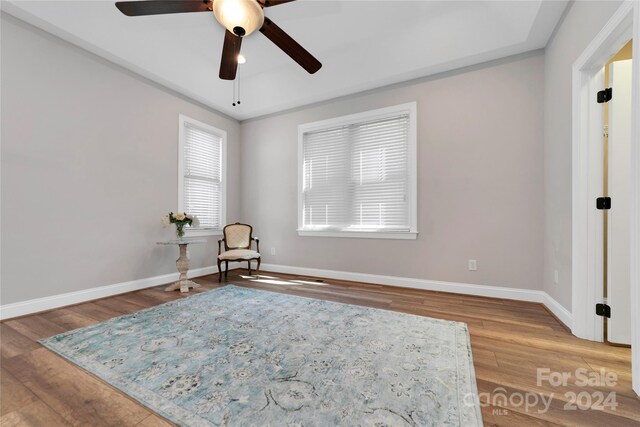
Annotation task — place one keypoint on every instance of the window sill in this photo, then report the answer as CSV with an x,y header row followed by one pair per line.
x,y
400,235
201,232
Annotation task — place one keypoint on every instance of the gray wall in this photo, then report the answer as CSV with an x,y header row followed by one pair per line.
x,y
480,183
89,165
580,25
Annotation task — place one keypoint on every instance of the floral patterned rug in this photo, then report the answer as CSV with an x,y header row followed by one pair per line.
x,y
242,357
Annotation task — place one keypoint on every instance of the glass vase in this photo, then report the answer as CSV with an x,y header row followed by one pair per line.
x,y
179,231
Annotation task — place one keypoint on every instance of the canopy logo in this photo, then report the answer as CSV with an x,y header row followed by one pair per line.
x,y
568,383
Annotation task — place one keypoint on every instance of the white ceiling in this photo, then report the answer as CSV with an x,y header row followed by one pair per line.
x,y
361,44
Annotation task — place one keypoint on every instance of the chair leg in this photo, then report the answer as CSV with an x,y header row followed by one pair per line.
x,y
219,271
249,267
258,268
226,270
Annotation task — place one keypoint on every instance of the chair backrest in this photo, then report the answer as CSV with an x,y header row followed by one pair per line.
x,y
237,236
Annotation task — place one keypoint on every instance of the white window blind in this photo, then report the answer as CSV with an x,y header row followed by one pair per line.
x,y
357,176
202,179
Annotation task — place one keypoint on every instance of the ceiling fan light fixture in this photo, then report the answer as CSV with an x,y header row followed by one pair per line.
x,y
241,17
241,59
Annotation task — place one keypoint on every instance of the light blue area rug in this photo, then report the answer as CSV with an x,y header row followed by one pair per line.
x,y
242,357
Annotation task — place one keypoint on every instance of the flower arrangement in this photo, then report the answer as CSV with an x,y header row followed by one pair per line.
x,y
180,220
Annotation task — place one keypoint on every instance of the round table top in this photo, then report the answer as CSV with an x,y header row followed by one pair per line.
x,y
182,242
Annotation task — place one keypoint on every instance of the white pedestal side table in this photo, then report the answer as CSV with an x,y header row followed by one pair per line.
x,y
182,263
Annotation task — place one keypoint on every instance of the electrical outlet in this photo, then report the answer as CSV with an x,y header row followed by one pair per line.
x,y
473,265
556,278
273,251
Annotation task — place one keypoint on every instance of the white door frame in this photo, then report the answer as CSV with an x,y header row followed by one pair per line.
x,y
587,157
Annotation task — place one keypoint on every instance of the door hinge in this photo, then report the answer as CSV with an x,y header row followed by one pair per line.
x,y
603,310
603,203
605,95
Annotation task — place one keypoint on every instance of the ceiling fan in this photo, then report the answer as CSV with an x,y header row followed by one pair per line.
x,y
239,17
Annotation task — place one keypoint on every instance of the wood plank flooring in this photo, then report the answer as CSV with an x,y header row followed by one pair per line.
x,y
510,340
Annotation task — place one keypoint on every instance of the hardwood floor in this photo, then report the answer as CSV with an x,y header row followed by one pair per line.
x,y
510,341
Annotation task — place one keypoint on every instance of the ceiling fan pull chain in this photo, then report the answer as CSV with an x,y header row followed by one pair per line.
x,y
234,92
238,85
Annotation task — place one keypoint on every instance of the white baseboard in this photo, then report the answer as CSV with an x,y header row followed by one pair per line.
x,y
433,285
22,308
405,282
558,310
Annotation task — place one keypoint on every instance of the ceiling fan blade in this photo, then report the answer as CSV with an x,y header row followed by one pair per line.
x,y
267,3
159,7
230,52
290,46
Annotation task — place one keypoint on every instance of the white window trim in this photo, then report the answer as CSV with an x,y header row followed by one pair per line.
x,y
182,119
411,109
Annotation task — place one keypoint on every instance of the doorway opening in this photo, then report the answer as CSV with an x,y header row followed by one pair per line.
x,y
587,185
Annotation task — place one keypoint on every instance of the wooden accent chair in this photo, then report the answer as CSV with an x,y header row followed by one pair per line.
x,y
237,247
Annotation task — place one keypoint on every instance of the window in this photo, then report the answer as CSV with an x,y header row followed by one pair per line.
x,y
202,175
357,175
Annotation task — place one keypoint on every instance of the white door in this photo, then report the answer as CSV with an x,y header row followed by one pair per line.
x,y
618,244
